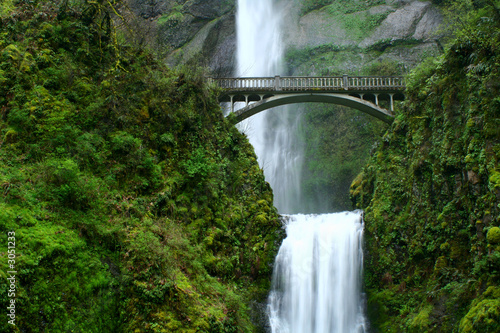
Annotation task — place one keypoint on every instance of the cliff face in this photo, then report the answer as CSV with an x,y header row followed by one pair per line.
x,y
369,32
196,31
431,191
401,31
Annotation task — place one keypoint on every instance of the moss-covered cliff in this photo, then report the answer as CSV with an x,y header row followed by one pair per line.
x,y
135,206
431,193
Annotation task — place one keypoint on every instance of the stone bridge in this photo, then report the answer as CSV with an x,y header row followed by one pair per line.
x,y
374,95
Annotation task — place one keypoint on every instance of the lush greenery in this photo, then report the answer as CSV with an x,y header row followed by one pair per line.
x,y
431,192
136,206
340,6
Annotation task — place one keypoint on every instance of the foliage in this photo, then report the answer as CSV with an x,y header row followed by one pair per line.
x,y
345,6
430,196
493,236
137,207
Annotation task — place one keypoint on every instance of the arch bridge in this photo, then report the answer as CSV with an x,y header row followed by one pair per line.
x,y
374,95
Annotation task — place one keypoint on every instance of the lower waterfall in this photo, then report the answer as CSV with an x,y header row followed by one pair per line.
x,y
316,282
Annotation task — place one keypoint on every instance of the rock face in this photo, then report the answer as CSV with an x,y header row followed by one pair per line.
x,y
317,28
187,30
204,31
214,44
208,9
150,8
418,20
337,39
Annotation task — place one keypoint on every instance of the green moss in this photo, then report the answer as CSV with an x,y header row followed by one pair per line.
x,y
421,322
493,236
426,197
130,194
484,314
495,179
6,8
171,19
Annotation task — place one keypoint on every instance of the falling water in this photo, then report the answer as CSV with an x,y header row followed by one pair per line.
x,y
272,133
316,280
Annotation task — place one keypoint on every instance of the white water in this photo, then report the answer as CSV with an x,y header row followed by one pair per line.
x,y
271,133
316,281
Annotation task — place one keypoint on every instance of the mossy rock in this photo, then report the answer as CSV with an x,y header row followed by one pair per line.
x,y
421,322
493,236
484,316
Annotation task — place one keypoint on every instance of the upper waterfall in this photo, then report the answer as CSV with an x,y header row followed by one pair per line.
x,y
273,135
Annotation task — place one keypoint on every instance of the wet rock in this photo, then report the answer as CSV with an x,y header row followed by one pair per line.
x,y
215,43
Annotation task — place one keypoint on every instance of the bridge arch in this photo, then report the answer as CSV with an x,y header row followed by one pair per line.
x,y
332,98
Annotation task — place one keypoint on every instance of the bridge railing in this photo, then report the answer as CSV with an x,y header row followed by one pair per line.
x,y
245,83
306,83
372,82
298,83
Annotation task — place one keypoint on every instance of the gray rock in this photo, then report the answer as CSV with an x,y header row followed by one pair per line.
x,y
208,9
415,20
317,28
429,24
214,45
178,30
149,8
380,9
220,47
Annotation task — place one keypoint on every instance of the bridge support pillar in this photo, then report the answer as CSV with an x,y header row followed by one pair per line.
x,y
277,84
232,102
361,96
376,99
391,97
246,100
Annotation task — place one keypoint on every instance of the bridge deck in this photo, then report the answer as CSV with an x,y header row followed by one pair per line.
x,y
287,84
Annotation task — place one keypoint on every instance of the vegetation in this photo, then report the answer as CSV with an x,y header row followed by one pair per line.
x,y
340,6
431,191
136,206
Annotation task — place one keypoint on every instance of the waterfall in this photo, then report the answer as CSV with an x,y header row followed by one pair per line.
x,y
272,133
316,280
